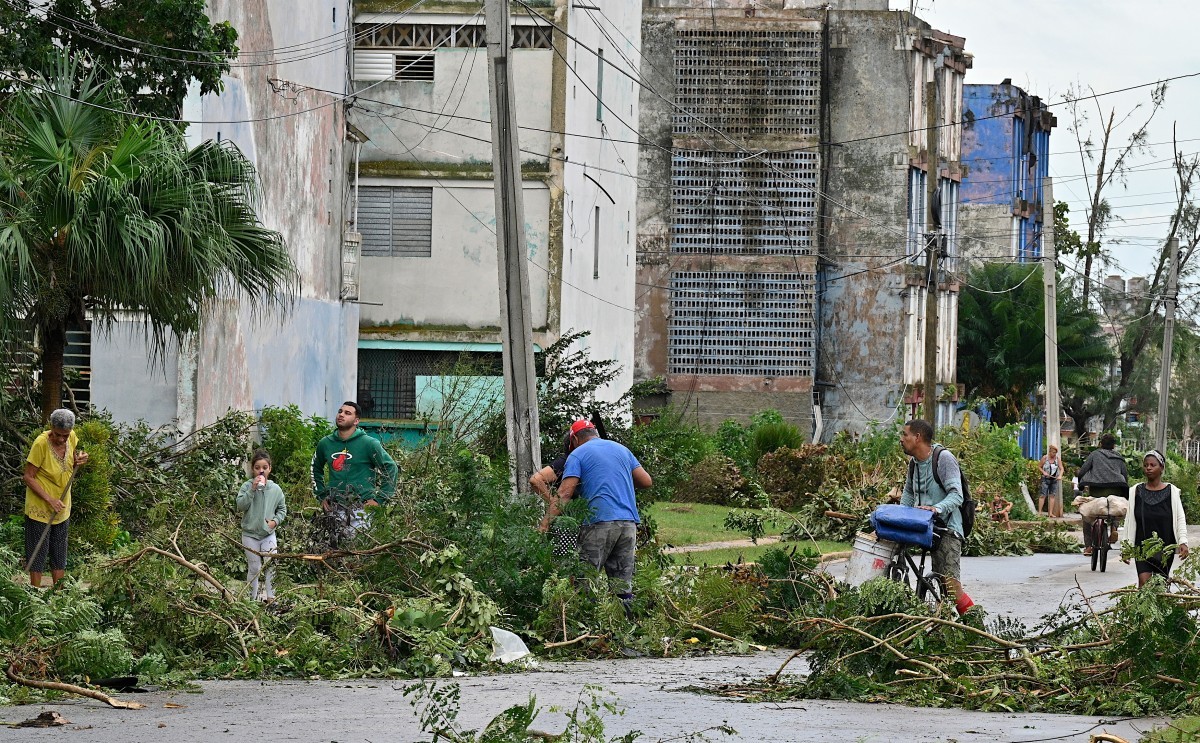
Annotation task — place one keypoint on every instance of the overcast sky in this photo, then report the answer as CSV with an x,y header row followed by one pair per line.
x,y
1046,46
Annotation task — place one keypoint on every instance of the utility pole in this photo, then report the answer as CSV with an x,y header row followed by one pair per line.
x,y
932,251
516,317
1164,379
1050,285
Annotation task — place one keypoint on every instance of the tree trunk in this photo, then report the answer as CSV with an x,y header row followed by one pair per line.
x,y
54,343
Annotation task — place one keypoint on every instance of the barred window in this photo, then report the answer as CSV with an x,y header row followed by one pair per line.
x,y
388,379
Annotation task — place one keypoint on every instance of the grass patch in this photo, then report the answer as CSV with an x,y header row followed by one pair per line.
x,y
1178,731
681,524
746,554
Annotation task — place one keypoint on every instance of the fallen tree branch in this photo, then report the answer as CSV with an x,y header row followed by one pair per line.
x,y
581,638
331,554
701,628
181,560
1088,602
100,696
890,648
841,515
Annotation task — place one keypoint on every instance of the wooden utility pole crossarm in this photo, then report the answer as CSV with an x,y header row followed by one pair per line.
x,y
516,316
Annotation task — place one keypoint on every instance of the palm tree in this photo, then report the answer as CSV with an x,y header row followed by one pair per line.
x,y
102,213
1001,339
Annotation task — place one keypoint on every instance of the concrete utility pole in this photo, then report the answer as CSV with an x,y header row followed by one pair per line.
x,y
1164,379
516,316
932,252
1050,284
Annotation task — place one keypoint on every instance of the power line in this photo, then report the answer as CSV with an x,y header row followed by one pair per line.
x,y
492,230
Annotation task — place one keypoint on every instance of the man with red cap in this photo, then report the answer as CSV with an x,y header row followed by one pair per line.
x,y
605,474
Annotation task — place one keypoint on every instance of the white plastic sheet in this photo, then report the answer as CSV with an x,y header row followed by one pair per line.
x,y
507,647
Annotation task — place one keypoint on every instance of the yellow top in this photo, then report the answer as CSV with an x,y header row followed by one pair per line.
x,y
53,474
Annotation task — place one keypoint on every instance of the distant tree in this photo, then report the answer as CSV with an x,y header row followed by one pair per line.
x,y
1001,332
1143,325
1105,161
156,48
102,213
1183,407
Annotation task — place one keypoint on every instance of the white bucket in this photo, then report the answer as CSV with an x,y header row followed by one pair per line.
x,y
870,558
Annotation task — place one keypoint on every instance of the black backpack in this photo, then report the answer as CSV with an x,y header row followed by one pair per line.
x,y
967,509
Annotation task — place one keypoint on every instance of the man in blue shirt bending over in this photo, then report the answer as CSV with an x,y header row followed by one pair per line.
x,y
605,474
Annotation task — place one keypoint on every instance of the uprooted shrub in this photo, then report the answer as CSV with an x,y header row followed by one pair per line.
x,y
989,539
1126,652
717,480
673,609
791,476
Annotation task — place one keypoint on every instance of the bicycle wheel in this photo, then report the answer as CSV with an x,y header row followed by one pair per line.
x,y
1099,540
929,589
1103,553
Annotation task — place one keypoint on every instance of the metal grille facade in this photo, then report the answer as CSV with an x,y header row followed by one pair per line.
x,y
747,81
387,379
437,35
396,221
732,205
758,324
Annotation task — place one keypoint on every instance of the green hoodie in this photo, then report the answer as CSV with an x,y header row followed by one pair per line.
x,y
359,469
260,506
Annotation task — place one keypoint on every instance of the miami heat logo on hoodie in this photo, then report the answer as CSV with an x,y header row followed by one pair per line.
x,y
340,459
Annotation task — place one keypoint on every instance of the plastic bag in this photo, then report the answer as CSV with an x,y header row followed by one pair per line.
x,y
506,647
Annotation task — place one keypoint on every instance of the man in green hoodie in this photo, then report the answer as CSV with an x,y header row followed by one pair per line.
x,y
361,473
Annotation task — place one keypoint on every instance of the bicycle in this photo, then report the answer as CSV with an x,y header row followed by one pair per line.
x,y
905,568
1101,543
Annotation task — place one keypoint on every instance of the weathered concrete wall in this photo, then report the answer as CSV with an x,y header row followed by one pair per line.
x,y
988,155
295,139
986,232
711,409
1006,143
749,210
654,207
457,285
308,358
582,269
873,302
598,268
126,380
447,120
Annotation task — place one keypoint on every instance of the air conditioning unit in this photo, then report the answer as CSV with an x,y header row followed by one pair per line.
x,y
351,255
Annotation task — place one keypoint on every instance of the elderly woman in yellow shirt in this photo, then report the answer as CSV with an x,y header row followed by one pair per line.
x,y
52,460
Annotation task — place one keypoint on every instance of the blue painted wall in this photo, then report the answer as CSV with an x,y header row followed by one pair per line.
x,y
1006,151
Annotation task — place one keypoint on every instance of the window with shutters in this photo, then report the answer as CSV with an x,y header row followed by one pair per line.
x,y
396,221
414,67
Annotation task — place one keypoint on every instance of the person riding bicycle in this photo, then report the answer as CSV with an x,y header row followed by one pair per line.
x,y
923,491
1103,473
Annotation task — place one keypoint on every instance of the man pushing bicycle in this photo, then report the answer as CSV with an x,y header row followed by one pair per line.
x,y
942,493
